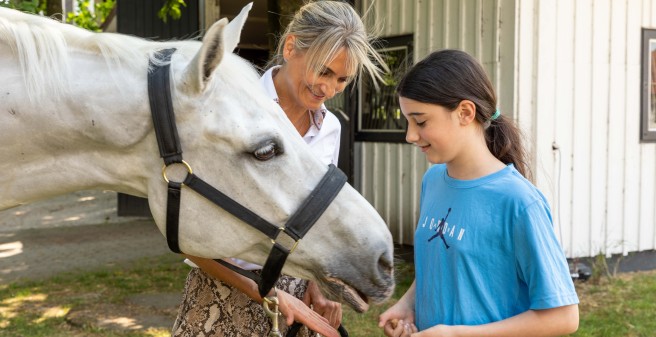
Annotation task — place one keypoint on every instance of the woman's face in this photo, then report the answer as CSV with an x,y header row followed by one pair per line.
x,y
311,90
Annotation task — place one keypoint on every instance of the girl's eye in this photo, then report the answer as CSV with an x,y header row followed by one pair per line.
x,y
266,152
420,123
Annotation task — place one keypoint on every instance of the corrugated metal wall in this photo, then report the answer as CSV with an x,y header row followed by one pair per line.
x,y
389,175
578,72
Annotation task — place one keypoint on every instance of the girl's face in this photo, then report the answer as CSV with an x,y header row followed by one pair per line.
x,y
433,128
311,90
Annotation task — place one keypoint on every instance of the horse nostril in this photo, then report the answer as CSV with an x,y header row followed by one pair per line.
x,y
385,264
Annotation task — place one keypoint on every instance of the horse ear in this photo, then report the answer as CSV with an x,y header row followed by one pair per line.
x,y
222,37
232,32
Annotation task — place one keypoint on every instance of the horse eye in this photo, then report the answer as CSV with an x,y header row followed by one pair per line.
x,y
266,152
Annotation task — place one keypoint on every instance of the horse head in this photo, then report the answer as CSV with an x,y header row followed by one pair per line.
x,y
233,136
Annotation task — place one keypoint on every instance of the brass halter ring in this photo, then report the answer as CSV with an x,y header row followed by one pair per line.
x,y
166,166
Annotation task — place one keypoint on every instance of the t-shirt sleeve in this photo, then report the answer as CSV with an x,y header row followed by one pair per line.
x,y
541,262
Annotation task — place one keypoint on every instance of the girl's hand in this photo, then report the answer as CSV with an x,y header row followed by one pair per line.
x,y
398,320
399,328
293,309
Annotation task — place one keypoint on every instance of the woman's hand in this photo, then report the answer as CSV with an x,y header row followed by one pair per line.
x,y
330,310
294,309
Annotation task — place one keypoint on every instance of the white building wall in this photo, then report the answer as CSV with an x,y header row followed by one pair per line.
x,y
568,71
579,86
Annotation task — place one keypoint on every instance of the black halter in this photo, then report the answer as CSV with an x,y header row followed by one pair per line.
x,y
170,150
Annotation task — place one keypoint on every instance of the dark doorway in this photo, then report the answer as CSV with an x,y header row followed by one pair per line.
x,y
139,18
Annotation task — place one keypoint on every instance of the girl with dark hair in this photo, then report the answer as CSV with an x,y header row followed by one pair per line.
x,y
487,261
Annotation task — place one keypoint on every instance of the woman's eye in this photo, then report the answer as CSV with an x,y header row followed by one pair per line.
x,y
266,152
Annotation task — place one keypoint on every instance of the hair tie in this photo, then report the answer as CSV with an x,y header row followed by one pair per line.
x,y
496,115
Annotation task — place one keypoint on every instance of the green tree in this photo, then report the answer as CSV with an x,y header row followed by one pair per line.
x,y
86,17
30,6
171,8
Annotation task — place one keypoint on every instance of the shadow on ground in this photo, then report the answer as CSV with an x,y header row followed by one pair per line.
x,y
81,232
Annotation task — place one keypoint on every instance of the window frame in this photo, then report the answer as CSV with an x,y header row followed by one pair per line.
x,y
390,43
648,86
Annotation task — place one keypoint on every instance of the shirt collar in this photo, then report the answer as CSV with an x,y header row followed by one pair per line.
x,y
316,116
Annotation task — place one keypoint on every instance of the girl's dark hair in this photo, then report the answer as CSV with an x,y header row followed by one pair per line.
x,y
447,77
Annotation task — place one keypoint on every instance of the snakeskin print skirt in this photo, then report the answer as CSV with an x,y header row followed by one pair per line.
x,y
211,308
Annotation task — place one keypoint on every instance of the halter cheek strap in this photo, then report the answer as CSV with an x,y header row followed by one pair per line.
x,y
161,107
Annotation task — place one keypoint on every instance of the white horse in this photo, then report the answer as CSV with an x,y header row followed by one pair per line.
x,y
74,115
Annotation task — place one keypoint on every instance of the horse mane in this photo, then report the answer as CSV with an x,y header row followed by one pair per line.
x,y
43,48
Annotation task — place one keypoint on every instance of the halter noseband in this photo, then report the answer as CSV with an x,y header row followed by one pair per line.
x,y
161,106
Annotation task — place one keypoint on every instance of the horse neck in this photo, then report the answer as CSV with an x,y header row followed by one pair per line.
x,y
95,136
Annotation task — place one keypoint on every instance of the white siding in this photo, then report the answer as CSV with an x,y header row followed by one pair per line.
x,y
646,159
568,71
585,97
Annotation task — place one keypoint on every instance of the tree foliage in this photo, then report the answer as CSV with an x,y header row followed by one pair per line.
x,y
171,8
89,17
30,6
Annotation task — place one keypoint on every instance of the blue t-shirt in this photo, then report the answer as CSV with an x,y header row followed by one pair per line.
x,y
485,250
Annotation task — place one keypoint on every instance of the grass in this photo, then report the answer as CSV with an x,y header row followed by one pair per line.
x,y
38,309
623,306
367,324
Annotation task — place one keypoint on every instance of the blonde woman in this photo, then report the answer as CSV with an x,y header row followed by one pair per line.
x,y
322,50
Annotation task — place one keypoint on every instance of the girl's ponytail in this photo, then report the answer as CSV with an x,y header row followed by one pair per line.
x,y
504,139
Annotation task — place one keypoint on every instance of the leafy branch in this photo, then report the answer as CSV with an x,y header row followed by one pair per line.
x,y
88,19
31,6
172,8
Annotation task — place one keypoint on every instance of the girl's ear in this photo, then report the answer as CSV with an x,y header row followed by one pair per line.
x,y
467,112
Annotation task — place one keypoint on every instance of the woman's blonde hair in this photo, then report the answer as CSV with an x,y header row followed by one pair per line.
x,y
323,28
